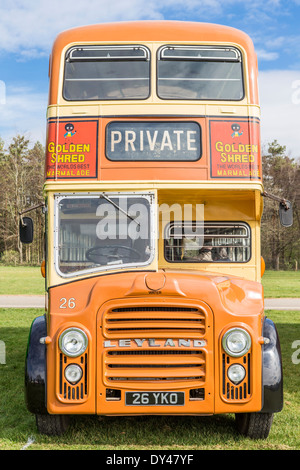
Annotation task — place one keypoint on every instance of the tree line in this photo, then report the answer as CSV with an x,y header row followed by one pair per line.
x,y
21,183
281,177
22,179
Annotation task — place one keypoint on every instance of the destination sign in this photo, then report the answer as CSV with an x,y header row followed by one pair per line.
x,y
153,141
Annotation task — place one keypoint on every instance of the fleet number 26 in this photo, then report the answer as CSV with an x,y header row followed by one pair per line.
x,y
67,303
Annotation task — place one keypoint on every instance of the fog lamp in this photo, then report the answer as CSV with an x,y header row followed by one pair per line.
x,y
73,373
236,373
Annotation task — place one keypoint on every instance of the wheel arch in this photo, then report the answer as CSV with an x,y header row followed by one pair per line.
x,y
272,376
35,367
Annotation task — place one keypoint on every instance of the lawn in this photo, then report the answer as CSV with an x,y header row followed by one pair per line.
x,y
17,425
281,284
21,280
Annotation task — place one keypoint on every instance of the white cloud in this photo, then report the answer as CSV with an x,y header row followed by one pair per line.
x,y
265,55
280,108
34,25
24,113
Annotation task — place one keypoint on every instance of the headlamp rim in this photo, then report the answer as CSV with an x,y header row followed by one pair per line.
x,y
243,351
64,333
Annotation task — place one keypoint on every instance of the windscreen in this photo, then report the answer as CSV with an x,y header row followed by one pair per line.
x,y
103,232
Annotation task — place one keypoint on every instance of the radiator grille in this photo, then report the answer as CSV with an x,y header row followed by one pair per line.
x,y
180,362
154,320
156,366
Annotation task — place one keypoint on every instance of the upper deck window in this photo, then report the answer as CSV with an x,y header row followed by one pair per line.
x,y
200,73
107,73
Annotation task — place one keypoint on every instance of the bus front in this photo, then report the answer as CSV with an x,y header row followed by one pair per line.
x,y
153,204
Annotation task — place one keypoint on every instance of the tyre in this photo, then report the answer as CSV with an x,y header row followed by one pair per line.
x,y
254,425
52,425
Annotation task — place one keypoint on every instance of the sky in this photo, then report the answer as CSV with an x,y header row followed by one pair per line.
x,y
29,27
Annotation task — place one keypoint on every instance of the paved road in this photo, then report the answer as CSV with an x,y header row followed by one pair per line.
x,y
282,304
22,301
38,301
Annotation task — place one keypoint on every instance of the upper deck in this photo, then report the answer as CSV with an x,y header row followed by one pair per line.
x,y
163,131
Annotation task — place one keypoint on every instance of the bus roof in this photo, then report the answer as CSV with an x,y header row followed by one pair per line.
x,y
154,31
151,31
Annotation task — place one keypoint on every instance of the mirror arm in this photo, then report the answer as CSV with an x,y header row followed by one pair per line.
x,y
29,210
282,201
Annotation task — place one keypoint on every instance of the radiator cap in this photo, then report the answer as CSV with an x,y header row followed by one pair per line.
x,y
155,281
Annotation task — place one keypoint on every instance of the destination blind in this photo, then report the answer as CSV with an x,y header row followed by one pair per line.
x,y
153,141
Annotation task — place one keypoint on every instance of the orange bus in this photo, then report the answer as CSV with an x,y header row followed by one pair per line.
x,y
153,201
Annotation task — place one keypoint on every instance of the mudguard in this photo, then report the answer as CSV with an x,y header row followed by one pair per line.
x,y
272,377
35,368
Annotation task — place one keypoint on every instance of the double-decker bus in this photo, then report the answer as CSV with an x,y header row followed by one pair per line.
x,y
153,201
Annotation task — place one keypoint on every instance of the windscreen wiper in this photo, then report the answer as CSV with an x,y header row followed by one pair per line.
x,y
119,208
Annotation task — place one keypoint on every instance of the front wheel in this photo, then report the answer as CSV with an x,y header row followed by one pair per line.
x,y
254,425
52,425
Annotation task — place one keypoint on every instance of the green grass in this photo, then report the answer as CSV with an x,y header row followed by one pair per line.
x,y
281,284
139,433
21,280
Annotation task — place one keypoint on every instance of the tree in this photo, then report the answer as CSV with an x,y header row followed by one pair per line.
x,y
280,246
13,181
21,178
34,196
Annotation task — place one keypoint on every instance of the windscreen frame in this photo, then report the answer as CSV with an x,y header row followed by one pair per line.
x,y
148,195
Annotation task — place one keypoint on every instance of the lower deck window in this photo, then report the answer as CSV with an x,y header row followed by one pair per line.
x,y
208,242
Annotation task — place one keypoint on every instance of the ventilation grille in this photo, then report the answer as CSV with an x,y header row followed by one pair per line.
x,y
155,366
154,321
67,392
236,393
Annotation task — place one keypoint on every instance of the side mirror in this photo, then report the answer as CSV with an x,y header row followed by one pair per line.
x,y
26,229
286,213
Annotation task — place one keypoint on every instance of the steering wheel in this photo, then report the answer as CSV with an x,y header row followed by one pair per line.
x,y
103,254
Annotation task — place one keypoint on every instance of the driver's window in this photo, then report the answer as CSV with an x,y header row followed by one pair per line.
x,y
103,231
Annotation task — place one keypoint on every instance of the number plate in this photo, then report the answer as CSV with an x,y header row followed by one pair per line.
x,y
154,398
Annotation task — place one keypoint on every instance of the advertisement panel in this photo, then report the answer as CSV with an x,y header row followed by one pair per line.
x,y
72,148
235,149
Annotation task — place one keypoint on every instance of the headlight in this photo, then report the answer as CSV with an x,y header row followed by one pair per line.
x,y
236,342
73,342
236,373
73,373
